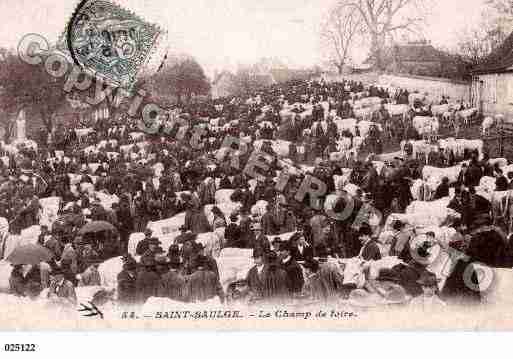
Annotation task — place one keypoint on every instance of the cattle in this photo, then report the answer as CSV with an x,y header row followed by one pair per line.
x,y
280,147
259,208
430,172
416,97
82,133
458,146
353,272
133,241
363,113
348,124
466,115
434,213
397,110
234,264
421,190
137,136
426,125
342,181
109,271
212,242
5,274
419,148
439,110
343,155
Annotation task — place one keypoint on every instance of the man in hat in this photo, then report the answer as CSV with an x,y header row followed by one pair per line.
x,y
127,283
400,240
147,280
429,299
86,257
370,249
255,277
203,284
143,245
232,234
295,278
301,249
210,262
184,236
260,241
90,276
61,290
172,282
270,225
153,248
275,280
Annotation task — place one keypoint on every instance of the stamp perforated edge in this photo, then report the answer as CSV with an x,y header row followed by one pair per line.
x,y
62,46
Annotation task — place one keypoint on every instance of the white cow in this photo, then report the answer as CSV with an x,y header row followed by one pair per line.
x,y
466,115
234,264
430,172
109,271
439,110
426,125
397,110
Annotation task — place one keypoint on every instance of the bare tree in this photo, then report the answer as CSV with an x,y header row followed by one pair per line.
x,y
474,45
497,21
477,42
384,18
338,34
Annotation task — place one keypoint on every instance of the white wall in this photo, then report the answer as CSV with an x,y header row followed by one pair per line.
x,y
435,87
495,93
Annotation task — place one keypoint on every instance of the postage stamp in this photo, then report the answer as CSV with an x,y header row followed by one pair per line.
x,y
109,41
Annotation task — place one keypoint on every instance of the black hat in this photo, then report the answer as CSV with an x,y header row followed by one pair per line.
x,y
130,265
161,260
311,264
57,270
257,253
272,257
154,240
201,261
398,225
365,230
321,251
285,246
174,261
428,280
173,249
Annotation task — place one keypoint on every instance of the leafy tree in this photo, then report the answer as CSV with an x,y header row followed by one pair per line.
x,y
185,78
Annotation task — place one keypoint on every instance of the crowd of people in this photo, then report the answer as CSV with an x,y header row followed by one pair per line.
x,y
158,176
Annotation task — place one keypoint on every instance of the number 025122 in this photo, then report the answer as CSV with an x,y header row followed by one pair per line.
x,y
19,347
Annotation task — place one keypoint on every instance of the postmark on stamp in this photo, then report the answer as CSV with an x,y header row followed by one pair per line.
x,y
109,41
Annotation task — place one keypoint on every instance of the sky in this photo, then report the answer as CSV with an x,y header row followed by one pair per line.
x,y
224,33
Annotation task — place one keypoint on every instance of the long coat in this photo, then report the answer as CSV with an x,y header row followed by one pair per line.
x,y
256,282
146,285
203,285
172,285
126,288
295,278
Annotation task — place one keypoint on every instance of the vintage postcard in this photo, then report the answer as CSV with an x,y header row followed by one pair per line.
x,y
222,165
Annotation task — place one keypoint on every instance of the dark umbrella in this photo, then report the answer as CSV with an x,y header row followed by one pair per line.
x,y
29,254
96,226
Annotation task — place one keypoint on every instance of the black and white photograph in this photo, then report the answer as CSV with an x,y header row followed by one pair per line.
x,y
251,165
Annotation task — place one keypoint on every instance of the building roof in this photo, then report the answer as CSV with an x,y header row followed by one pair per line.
x,y
499,60
418,52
